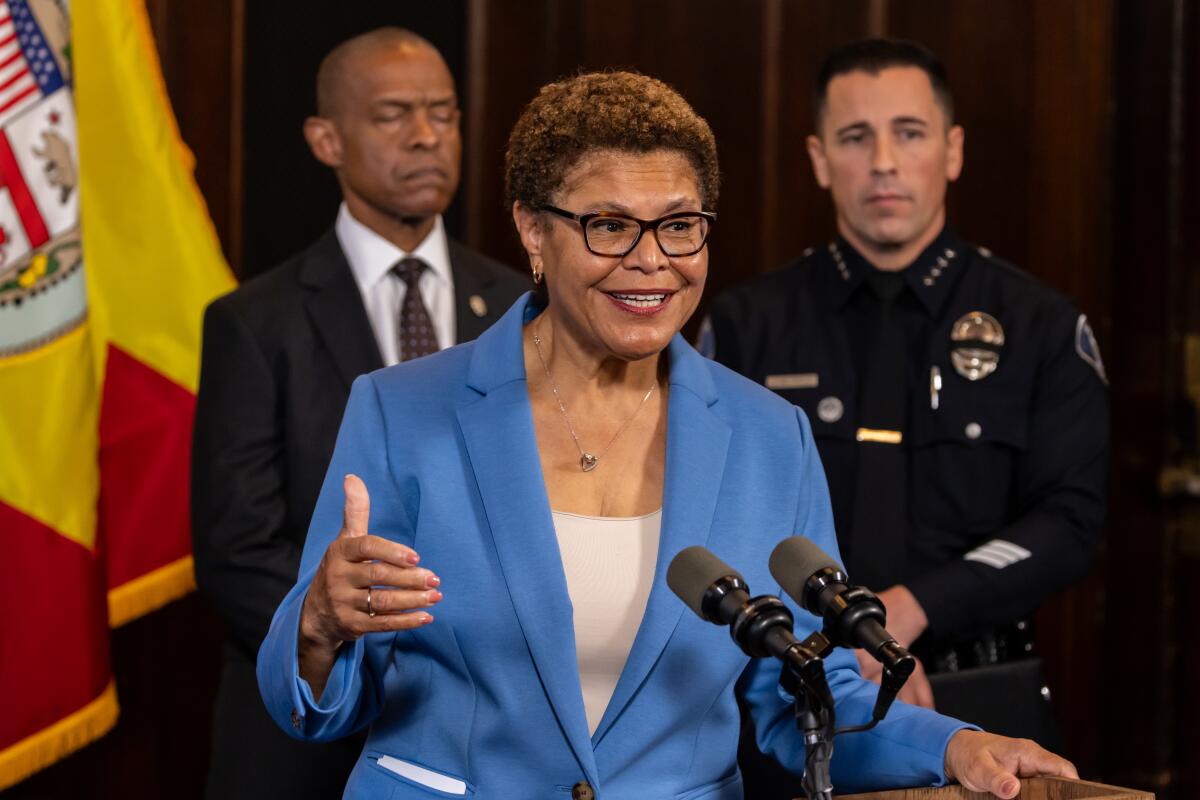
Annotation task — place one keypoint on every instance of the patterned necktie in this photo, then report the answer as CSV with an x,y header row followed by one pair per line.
x,y
417,337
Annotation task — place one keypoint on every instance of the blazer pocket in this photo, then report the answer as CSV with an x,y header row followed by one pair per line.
x,y
437,783
712,791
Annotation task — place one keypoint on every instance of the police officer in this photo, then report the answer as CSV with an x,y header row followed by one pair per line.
x,y
959,406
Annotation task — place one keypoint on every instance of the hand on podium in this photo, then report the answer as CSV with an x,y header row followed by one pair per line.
x,y
985,762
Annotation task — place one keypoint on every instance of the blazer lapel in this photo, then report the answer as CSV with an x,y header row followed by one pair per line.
x,y
336,309
498,431
697,443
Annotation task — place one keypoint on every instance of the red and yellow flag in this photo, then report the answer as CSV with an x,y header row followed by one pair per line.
x,y
107,259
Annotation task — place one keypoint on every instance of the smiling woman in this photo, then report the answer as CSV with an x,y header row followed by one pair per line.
x,y
612,179
534,485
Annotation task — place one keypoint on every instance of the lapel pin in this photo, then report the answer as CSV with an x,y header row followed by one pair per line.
x,y
478,305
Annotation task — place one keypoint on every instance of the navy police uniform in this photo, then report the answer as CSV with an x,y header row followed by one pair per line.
x,y
1004,429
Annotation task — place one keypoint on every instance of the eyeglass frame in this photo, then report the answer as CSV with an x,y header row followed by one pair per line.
x,y
644,225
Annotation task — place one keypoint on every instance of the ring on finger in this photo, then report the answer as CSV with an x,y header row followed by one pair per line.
x,y
370,611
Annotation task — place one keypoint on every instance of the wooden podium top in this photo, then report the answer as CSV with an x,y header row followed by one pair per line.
x,y
1031,789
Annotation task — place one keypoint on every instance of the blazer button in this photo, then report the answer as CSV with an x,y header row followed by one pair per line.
x,y
295,719
582,791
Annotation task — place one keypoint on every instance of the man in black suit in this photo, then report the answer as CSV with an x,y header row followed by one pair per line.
x,y
279,355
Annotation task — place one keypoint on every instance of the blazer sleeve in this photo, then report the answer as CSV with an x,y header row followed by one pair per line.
x,y
244,564
908,748
354,694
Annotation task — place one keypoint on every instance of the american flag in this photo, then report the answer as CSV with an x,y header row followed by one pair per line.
x,y
28,71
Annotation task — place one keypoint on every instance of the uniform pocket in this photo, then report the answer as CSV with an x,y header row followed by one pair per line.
x,y
976,419
966,453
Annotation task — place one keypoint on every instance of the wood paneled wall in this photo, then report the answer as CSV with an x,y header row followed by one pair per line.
x,y
1082,167
1153,552
1032,89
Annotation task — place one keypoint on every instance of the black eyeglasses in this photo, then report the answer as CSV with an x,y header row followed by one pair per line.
x,y
607,233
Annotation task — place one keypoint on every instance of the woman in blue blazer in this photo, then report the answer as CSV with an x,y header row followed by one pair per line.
x,y
483,503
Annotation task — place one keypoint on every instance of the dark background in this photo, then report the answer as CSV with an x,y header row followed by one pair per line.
x,y
1083,132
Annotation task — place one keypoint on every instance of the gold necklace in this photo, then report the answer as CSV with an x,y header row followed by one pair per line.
x,y
587,461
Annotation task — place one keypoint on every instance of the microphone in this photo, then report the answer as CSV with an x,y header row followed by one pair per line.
x,y
854,617
761,626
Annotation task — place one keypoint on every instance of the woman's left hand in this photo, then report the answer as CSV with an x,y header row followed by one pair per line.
x,y
985,762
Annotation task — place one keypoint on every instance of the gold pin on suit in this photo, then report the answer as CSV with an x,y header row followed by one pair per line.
x,y
478,305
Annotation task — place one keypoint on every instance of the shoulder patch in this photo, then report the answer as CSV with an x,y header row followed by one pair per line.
x,y
1087,348
706,340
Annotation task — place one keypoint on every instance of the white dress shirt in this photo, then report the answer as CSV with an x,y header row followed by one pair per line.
x,y
609,565
371,260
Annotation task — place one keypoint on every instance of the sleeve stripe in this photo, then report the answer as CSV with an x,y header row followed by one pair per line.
x,y
1014,550
988,558
998,554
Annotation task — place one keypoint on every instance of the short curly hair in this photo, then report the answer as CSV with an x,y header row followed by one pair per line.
x,y
623,111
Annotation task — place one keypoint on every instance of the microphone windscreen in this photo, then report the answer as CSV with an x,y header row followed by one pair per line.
x,y
692,571
794,561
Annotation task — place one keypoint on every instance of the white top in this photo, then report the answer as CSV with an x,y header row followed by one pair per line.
x,y
371,260
609,563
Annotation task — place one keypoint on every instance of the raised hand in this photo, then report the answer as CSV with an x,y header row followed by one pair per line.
x,y
364,584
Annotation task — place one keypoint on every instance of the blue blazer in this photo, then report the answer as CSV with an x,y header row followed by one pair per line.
x,y
485,701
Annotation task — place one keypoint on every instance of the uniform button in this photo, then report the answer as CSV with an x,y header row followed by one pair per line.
x,y
295,719
582,791
830,409
974,430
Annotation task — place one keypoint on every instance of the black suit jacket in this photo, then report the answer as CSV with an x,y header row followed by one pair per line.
x,y
279,355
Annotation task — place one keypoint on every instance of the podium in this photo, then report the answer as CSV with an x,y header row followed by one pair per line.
x,y
1031,789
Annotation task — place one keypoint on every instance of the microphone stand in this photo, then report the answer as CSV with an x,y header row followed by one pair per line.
x,y
762,627
804,679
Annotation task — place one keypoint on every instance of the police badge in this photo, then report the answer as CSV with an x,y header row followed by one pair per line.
x,y
976,340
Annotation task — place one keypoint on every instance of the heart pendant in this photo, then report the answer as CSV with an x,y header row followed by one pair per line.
x,y
588,462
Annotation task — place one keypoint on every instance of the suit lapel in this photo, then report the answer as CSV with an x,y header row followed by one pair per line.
x,y
469,282
335,308
498,432
697,444
474,283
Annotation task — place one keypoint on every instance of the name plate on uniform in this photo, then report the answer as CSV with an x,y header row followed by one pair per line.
x,y
796,380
